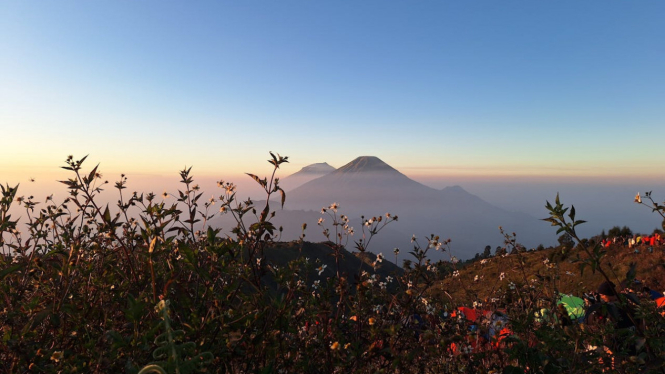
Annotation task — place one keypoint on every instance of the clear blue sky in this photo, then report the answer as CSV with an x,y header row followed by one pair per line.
x,y
432,87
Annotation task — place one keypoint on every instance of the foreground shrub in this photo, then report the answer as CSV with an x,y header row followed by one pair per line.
x,y
79,288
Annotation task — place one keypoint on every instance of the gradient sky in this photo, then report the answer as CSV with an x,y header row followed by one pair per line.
x,y
434,88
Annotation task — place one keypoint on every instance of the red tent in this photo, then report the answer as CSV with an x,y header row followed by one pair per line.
x,y
660,302
470,314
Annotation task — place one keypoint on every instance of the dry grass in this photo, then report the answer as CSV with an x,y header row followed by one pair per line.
x,y
565,274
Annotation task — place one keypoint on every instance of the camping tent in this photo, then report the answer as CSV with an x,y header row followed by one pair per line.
x,y
573,304
660,302
471,315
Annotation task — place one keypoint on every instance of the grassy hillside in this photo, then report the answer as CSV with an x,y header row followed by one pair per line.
x,y
482,279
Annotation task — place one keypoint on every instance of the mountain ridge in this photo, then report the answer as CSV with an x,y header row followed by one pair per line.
x,y
364,164
316,168
306,174
367,186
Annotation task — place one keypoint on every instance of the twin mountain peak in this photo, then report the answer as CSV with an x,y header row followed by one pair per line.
x,y
369,171
367,186
362,164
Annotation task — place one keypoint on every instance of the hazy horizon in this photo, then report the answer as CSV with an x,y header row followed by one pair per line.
x,y
512,100
603,203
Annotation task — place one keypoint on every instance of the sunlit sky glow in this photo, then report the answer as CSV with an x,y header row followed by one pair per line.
x,y
435,88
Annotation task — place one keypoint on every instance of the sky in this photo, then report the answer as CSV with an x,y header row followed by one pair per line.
x,y
444,91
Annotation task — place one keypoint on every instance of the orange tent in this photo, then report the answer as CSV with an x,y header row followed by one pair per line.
x,y
660,302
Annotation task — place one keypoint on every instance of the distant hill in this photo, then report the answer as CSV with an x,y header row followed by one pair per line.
x,y
292,220
305,175
351,263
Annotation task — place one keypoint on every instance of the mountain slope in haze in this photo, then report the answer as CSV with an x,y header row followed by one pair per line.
x,y
361,181
305,175
364,164
368,186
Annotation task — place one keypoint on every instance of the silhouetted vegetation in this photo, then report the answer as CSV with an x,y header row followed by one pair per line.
x,y
148,286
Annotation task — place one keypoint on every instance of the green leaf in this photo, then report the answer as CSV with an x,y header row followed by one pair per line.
x,y
107,215
258,180
211,234
579,222
135,309
92,173
12,269
188,253
39,318
281,191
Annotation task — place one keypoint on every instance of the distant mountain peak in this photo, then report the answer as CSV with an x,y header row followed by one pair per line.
x,y
318,168
366,164
306,174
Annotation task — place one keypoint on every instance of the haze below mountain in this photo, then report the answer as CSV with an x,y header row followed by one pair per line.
x,y
369,187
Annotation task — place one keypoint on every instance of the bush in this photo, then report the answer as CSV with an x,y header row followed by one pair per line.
x,y
80,284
